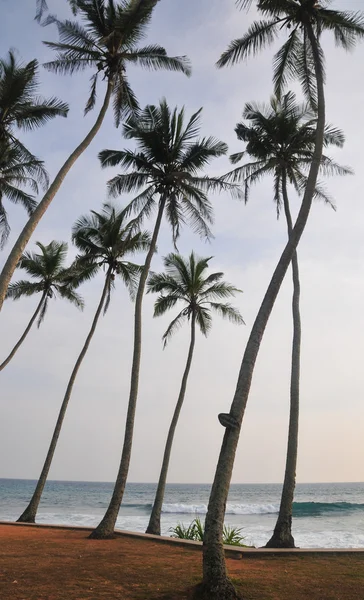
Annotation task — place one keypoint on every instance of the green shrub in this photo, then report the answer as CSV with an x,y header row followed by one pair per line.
x,y
199,529
232,536
184,533
195,531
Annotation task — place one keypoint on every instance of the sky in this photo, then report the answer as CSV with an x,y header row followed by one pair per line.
x,y
246,247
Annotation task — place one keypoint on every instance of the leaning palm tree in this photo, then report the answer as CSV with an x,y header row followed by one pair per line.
x,y
20,105
104,239
107,43
300,57
17,174
280,140
167,170
186,282
51,280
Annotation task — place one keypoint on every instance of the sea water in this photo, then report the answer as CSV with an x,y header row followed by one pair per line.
x,y
329,515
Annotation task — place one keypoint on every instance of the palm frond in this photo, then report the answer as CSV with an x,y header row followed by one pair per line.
x,y
174,326
23,288
164,303
42,111
227,311
66,292
218,290
4,226
285,62
130,274
204,320
259,35
346,26
155,57
125,102
163,282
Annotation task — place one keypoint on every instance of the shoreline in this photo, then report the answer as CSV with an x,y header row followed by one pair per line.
x,y
235,552
324,516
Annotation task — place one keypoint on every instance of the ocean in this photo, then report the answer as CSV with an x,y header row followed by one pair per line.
x,y
329,515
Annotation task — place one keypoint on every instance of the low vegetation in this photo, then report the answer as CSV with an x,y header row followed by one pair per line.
x,y
195,531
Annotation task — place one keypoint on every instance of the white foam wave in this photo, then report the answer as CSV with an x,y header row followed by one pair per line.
x,y
231,509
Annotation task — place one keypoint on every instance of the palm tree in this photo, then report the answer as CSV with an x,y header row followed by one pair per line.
x,y
107,43
281,139
20,105
51,281
300,57
186,281
103,240
17,173
167,168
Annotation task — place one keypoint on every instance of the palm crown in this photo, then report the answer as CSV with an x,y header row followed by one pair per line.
x,y
20,105
17,173
104,239
108,42
52,278
168,161
281,140
296,58
185,281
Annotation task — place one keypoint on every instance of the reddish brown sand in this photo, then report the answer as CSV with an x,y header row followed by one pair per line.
x,y
56,564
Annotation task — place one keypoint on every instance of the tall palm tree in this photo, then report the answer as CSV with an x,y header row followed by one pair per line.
x,y
107,43
186,281
104,239
280,140
301,57
20,105
16,173
167,166
52,280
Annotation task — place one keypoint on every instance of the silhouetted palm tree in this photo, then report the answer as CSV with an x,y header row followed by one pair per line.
x,y
302,58
167,166
51,277
104,240
186,281
20,105
18,173
280,139
107,43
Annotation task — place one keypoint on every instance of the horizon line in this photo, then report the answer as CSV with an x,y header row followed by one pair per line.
x,y
177,483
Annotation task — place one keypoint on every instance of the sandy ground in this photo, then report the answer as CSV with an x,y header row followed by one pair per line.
x,y
57,564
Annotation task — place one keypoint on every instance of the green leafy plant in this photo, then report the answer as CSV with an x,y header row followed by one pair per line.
x,y
195,531
232,536
184,532
199,529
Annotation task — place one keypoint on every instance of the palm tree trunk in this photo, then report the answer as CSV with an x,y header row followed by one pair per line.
x,y
105,528
282,535
41,208
216,585
29,514
154,525
21,340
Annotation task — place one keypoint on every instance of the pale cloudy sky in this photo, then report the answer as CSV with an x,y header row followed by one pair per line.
x,y
248,241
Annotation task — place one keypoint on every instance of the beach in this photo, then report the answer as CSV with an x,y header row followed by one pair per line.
x,y
325,515
58,564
